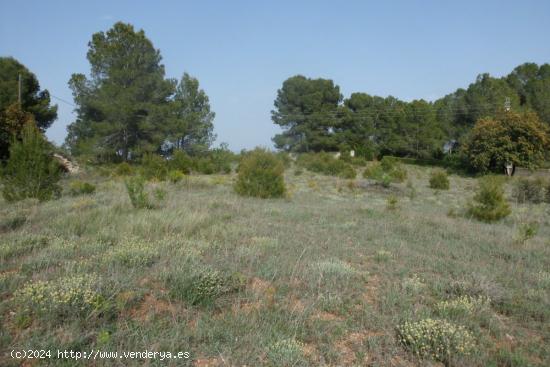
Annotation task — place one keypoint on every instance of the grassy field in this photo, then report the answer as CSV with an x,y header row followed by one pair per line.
x,y
323,277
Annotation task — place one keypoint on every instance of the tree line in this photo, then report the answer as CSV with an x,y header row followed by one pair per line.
x,y
315,116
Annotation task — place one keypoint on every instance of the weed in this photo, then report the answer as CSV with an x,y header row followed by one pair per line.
x,y
439,180
436,339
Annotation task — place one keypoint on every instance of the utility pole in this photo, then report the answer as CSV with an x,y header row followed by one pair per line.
x,y
19,91
507,104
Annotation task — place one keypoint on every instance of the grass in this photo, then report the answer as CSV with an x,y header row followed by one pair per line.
x,y
323,277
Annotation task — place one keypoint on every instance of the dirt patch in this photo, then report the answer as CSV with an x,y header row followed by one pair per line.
x,y
150,307
371,290
352,343
326,316
259,285
208,362
247,307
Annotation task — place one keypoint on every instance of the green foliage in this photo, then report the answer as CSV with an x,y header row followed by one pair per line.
x,y
135,186
127,107
261,174
327,164
530,190
31,171
489,203
202,287
436,339
391,202
304,109
175,176
192,129
386,171
154,167
78,187
132,254
181,162
439,180
462,306
33,101
521,139
123,169
526,231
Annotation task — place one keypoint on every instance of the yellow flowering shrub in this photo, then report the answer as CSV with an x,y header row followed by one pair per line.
x,y
78,294
286,352
437,339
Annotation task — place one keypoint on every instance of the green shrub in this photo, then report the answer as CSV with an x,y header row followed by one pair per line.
x,y
326,164
217,160
80,187
175,176
526,231
530,190
261,175
391,202
462,306
386,171
436,339
31,171
123,169
139,198
489,203
132,254
202,287
439,180
154,167
181,162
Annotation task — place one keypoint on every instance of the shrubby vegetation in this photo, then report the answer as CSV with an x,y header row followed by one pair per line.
x,y
386,171
31,171
436,339
532,190
489,203
521,139
439,180
78,187
261,174
327,164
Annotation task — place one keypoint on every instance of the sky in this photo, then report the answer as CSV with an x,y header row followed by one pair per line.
x,y
242,51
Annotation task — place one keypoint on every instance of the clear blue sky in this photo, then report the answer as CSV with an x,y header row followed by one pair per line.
x,y
242,51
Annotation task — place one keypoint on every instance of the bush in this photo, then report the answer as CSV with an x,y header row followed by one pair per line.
x,y
386,171
65,297
437,339
132,254
530,190
153,166
123,169
439,180
136,191
175,176
217,160
181,162
463,306
203,287
489,202
326,164
80,187
261,175
31,171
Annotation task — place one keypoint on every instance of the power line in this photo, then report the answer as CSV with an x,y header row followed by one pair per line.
x,y
63,100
